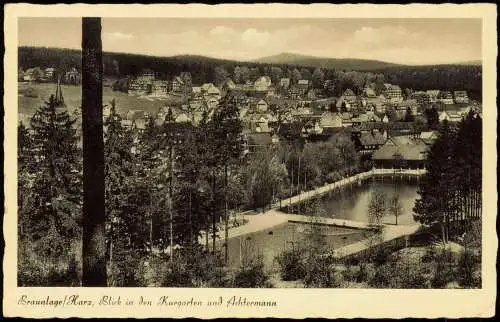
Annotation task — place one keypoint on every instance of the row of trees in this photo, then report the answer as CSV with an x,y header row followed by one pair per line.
x,y
450,192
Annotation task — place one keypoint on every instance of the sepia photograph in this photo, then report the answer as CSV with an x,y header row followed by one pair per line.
x,y
248,152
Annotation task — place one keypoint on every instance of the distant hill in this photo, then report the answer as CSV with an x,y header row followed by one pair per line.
x,y
332,63
124,64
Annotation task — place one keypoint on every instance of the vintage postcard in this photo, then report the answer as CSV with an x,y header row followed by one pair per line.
x,y
250,160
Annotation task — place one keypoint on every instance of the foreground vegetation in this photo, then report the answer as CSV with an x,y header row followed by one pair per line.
x,y
166,185
431,265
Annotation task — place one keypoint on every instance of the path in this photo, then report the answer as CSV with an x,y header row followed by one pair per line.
x,y
306,195
389,233
328,221
255,223
274,217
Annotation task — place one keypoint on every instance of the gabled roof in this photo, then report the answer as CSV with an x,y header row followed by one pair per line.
x,y
369,138
213,90
391,87
402,140
206,86
345,116
349,92
369,92
428,135
394,152
230,84
397,126
366,118
433,92
178,80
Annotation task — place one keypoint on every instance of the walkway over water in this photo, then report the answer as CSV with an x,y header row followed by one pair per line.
x,y
327,221
344,182
274,217
389,232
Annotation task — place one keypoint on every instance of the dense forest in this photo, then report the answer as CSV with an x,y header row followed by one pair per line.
x,y
442,77
330,63
205,69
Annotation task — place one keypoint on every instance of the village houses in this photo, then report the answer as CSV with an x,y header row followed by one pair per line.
x,y
461,97
393,93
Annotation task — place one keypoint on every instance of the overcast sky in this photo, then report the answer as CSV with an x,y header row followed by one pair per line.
x,y
406,41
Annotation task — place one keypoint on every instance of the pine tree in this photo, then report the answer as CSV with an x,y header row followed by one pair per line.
x,y
119,170
54,207
468,164
436,189
432,117
228,144
23,177
189,200
409,115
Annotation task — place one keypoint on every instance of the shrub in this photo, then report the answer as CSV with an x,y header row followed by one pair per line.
x,y
40,266
124,270
174,274
349,274
291,265
319,272
429,255
206,269
443,269
383,277
468,265
414,278
338,278
361,275
251,275
381,254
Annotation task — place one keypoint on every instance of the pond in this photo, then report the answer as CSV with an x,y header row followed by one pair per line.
x,y
270,242
348,203
351,202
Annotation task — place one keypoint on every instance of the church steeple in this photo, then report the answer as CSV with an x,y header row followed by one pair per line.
x,y
59,99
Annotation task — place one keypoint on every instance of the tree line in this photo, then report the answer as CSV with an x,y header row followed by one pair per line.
x,y
211,70
450,192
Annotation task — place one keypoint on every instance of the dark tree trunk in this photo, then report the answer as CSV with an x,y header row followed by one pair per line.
x,y
94,246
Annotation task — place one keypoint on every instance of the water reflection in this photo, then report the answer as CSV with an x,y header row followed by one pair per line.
x,y
352,202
